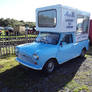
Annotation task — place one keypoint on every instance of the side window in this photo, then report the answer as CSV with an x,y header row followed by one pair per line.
x,y
82,24
68,39
85,24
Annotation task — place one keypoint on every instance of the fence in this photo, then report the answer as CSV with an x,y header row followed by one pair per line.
x,y
8,43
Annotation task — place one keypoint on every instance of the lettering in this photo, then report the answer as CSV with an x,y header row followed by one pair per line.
x,y
69,14
84,36
69,23
69,20
69,26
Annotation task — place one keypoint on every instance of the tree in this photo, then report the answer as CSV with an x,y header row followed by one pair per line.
x,y
13,23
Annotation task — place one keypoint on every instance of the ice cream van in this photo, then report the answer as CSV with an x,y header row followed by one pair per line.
x,y
63,35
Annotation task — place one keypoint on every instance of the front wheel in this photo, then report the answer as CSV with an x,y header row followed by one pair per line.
x,y
49,67
83,53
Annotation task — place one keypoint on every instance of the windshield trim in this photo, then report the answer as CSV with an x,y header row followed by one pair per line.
x,y
46,25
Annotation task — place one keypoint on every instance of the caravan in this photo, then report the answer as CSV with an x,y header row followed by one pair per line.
x,y
63,35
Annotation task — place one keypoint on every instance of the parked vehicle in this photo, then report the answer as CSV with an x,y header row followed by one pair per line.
x,y
8,30
19,30
63,35
1,28
32,30
90,32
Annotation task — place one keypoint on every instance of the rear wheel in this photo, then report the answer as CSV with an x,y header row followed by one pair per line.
x,y
83,53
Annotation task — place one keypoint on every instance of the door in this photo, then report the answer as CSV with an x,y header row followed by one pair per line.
x,y
66,49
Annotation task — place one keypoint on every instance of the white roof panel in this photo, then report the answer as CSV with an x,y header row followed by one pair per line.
x,y
65,21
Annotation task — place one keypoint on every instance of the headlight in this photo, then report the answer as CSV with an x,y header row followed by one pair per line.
x,y
35,56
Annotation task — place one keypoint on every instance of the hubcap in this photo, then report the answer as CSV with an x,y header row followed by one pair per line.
x,y
50,67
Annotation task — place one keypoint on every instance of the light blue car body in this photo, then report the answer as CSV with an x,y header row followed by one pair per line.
x,y
48,51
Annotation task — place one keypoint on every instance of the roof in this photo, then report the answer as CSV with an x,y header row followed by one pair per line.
x,y
65,7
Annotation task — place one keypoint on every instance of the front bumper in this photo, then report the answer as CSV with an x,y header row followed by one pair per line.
x,y
27,64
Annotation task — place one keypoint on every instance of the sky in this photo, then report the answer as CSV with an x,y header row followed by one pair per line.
x,y
25,9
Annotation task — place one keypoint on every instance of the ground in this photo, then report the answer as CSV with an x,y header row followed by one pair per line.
x,y
72,76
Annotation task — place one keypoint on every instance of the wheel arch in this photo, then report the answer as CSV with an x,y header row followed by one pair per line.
x,y
84,49
54,59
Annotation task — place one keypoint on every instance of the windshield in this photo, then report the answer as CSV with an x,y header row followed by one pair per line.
x,y
47,18
48,38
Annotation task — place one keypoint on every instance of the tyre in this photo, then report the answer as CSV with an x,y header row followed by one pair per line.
x,y
83,53
49,66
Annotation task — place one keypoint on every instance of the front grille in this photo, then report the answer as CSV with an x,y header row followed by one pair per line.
x,y
25,58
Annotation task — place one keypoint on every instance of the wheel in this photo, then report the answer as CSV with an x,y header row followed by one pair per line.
x,y
83,53
49,66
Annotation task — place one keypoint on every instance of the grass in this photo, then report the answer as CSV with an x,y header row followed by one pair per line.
x,y
83,88
7,63
75,87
